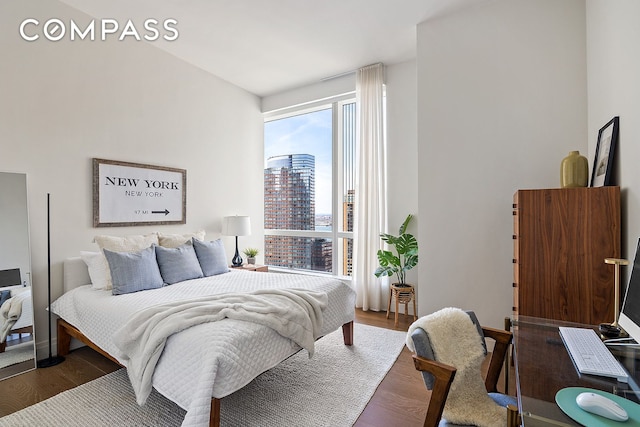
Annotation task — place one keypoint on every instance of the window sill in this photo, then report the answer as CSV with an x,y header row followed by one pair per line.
x,y
276,269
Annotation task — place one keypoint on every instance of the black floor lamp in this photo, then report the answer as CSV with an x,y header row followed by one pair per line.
x,y
51,360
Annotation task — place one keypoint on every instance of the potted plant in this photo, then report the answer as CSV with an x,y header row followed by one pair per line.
x,y
405,258
251,255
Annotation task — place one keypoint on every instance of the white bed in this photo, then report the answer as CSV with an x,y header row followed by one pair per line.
x,y
16,314
204,363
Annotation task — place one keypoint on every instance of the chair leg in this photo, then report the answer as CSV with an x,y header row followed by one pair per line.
x,y
513,417
397,310
415,312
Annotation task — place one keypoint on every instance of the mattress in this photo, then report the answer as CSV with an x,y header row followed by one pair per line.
x,y
208,360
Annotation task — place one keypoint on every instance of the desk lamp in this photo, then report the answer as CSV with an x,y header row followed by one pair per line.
x,y
236,226
613,330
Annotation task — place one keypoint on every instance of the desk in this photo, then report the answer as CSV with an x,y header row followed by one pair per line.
x,y
543,367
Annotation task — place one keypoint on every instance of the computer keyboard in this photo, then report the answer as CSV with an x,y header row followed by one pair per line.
x,y
590,355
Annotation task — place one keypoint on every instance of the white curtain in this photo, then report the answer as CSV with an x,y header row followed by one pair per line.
x,y
370,204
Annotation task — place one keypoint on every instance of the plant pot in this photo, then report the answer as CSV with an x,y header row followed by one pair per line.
x,y
251,260
401,285
403,297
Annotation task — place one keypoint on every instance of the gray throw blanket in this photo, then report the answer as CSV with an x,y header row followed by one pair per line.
x,y
293,313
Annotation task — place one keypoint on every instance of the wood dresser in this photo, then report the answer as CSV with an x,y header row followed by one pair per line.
x,y
561,238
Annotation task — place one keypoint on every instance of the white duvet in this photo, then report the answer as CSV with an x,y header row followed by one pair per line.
x,y
15,313
211,359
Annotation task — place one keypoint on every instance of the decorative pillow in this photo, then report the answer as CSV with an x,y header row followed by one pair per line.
x,y
134,271
98,269
4,295
19,289
212,257
178,264
175,240
131,243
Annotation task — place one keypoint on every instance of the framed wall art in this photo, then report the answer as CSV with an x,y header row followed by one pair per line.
x,y
601,175
128,194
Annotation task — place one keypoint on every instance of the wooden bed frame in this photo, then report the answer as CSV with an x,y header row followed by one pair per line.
x,y
66,331
23,330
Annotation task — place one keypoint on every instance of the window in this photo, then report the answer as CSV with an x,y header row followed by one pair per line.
x,y
309,188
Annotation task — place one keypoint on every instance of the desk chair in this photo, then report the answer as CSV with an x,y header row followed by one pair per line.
x,y
439,376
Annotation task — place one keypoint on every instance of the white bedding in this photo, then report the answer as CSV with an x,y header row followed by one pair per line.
x,y
211,359
16,313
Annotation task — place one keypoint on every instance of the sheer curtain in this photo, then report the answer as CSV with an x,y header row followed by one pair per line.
x,y
370,207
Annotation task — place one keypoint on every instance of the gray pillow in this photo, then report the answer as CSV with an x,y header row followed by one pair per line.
x,y
178,264
212,257
133,271
4,295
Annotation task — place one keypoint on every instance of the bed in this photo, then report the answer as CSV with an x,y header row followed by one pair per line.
x,y
16,307
204,363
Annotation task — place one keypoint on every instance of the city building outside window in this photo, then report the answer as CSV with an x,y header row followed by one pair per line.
x,y
309,188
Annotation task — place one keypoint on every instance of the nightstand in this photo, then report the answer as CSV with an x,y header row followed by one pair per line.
x,y
253,267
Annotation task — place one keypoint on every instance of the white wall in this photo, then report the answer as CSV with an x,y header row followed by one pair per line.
x,y
614,90
314,92
501,100
64,103
402,162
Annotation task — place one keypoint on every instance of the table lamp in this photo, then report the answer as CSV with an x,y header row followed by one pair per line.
x,y
236,226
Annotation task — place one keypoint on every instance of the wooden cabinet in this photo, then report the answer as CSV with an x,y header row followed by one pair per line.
x,y
561,238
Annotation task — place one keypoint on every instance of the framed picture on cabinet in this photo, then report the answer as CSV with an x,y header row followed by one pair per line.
x,y
601,175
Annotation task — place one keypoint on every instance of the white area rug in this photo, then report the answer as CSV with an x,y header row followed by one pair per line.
x,y
16,354
330,389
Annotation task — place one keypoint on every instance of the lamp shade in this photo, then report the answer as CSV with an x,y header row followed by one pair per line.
x,y
236,226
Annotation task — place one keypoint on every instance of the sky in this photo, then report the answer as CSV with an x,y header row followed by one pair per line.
x,y
309,133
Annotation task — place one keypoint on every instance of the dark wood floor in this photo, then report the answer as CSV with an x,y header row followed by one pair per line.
x,y
401,398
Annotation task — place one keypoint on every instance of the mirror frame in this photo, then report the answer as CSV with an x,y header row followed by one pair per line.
x,y
25,276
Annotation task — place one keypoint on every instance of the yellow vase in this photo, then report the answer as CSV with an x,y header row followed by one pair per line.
x,y
574,171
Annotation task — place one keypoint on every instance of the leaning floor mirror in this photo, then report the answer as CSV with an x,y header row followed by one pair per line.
x,y
17,341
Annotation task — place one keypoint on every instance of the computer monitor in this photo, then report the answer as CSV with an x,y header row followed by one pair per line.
x,y
629,318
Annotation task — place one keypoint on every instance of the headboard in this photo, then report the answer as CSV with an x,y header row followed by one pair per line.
x,y
10,277
75,273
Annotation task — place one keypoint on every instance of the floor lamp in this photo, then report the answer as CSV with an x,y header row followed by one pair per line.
x,y
51,360
236,226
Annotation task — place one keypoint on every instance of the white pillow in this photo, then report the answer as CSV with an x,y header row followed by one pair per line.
x,y
175,240
98,269
18,290
132,243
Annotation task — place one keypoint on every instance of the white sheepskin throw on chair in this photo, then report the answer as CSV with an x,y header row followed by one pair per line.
x,y
456,342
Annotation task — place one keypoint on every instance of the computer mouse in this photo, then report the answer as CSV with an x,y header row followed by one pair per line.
x,y
601,405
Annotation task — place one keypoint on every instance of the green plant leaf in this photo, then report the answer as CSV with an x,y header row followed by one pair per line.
x,y
406,243
406,247
250,252
405,224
